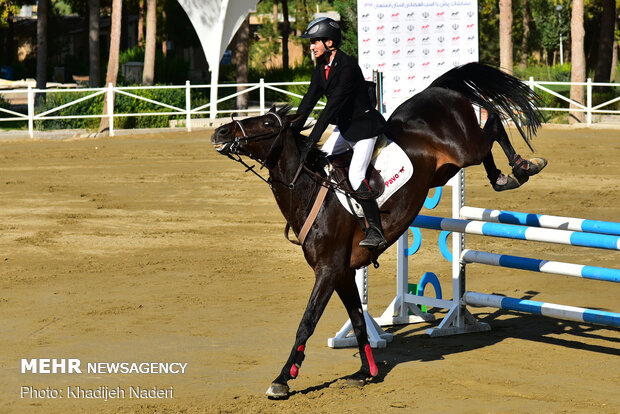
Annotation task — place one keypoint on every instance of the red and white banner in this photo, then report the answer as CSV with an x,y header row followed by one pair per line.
x,y
413,42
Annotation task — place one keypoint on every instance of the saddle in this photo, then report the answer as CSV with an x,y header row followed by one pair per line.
x,y
340,171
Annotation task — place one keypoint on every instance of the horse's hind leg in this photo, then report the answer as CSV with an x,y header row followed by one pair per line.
x,y
321,293
494,130
498,180
522,169
348,292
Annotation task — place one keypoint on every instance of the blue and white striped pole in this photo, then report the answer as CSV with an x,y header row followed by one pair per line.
x,y
541,220
552,310
543,266
510,231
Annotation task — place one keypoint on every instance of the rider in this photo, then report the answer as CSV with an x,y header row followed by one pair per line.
x,y
358,123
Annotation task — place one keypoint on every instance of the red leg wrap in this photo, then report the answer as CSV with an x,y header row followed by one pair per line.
x,y
295,367
371,360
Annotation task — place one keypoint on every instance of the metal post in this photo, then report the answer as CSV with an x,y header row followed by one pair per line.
x,y
402,276
188,107
111,108
262,96
30,112
589,102
215,73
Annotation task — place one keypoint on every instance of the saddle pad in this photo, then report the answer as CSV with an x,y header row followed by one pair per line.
x,y
395,168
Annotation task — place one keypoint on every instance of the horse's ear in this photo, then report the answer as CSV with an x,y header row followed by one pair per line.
x,y
273,108
293,118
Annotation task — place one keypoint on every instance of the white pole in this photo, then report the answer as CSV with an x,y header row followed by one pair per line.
x,y
188,107
111,108
30,112
402,275
458,245
262,96
589,101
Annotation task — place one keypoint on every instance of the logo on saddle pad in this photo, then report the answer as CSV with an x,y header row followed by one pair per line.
x,y
395,169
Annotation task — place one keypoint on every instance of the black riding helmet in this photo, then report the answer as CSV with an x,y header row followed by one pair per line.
x,y
324,28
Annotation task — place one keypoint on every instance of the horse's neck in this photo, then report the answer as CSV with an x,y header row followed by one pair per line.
x,y
294,203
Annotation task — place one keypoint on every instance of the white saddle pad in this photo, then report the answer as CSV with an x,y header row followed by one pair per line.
x,y
395,168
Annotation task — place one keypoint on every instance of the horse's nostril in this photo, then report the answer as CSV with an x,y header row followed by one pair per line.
x,y
223,131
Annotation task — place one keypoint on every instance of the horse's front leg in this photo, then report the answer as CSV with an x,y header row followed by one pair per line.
x,y
321,293
349,295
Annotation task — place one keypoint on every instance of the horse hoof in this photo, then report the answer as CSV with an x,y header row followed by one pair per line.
x,y
506,182
356,382
536,165
526,168
277,391
359,379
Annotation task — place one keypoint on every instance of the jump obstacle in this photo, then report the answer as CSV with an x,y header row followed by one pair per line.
x,y
494,223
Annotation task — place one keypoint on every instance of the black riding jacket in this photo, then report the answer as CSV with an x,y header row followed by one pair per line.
x,y
348,102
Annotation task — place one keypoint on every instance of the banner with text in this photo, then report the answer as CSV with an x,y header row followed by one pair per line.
x,y
414,42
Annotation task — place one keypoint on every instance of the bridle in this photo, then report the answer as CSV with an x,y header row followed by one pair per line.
x,y
234,147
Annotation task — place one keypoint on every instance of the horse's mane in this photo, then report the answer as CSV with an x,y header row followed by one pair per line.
x,y
316,158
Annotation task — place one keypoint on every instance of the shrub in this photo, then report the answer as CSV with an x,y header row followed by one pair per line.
x,y
122,104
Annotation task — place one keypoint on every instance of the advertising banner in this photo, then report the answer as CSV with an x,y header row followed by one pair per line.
x,y
414,42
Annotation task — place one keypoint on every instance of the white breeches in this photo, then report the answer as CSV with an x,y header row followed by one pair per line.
x,y
362,154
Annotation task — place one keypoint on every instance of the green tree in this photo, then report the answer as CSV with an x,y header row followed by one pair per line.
x,y
550,24
148,74
488,17
348,22
94,47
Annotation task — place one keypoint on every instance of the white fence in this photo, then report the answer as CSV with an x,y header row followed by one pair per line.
x,y
211,109
111,112
578,107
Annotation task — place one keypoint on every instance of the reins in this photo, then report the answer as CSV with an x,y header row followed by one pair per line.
x,y
234,147
324,182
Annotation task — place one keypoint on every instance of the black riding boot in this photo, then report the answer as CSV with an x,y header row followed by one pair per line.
x,y
374,234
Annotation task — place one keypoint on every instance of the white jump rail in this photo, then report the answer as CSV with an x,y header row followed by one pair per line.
x,y
516,226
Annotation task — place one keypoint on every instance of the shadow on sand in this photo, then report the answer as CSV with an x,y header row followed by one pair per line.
x,y
411,344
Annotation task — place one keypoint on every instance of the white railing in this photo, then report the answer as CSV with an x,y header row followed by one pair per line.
x,y
213,112
111,112
578,107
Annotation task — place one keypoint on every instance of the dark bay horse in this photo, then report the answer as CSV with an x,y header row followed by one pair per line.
x,y
438,130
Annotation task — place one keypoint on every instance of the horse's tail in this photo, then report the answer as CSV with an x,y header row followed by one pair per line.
x,y
497,92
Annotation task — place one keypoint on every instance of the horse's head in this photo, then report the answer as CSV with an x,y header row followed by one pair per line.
x,y
257,137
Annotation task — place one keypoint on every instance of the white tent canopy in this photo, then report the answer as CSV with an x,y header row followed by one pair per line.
x,y
216,22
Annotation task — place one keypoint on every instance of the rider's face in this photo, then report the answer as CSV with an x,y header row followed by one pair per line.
x,y
318,47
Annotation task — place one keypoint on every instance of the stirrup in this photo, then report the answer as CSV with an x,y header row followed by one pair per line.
x,y
376,242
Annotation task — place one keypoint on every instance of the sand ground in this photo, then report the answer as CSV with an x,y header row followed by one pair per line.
x,y
154,248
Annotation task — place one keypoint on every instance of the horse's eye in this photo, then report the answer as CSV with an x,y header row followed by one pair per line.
x,y
267,123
